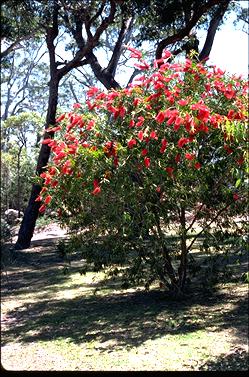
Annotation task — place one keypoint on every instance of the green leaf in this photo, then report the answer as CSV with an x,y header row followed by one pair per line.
x,y
238,182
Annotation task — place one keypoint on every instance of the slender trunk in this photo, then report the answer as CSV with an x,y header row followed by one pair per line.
x,y
19,182
31,213
184,251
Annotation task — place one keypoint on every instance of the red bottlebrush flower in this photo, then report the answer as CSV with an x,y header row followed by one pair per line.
x,y
92,91
96,191
197,165
44,189
164,145
144,152
52,170
158,189
76,105
90,125
240,161
147,162
38,199
140,121
177,158
48,199
47,180
136,101
95,183
160,117
143,65
235,196
54,183
54,129
228,149
46,141
183,102
153,135
115,161
60,118
229,92
140,135
179,121
60,155
134,52
131,143
189,156
132,123
122,111
166,54
169,170
42,208
183,141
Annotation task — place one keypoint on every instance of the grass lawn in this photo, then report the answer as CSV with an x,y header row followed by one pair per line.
x,y
55,321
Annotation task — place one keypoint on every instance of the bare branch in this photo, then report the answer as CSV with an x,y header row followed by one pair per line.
x,y
197,14
125,29
214,23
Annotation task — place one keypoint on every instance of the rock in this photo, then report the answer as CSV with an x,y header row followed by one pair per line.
x,y
12,216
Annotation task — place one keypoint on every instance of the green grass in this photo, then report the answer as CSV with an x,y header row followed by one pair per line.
x,y
53,321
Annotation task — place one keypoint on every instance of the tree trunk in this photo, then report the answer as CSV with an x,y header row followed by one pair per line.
x,y
213,26
18,181
32,211
184,251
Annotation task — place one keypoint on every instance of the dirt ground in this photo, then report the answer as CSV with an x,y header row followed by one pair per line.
x,y
47,319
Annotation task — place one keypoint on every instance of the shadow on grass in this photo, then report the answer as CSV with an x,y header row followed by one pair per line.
x,y
120,319
125,319
234,361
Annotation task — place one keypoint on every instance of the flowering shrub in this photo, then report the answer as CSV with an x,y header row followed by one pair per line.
x,y
134,166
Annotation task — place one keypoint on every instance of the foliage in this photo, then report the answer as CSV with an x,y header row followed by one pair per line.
x,y
159,158
19,150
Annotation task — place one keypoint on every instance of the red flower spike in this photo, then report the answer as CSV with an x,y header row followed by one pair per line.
x,y
96,191
147,162
60,118
235,196
144,152
183,141
92,91
132,123
136,54
46,141
131,143
197,165
177,158
140,121
153,135
42,208
160,117
169,170
48,199
189,156
76,105
140,135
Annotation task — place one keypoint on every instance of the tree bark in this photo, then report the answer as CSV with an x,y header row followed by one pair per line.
x,y
27,227
213,26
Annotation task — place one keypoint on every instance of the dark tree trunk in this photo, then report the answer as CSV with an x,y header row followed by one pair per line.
x,y
184,251
19,181
213,26
32,211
